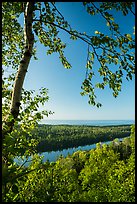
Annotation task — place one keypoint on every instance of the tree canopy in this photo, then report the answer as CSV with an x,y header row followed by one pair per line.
x,y
47,22
43,22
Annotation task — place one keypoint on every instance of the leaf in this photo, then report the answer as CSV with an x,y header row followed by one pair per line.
x,y
108,23
73,37
92,56
128,36
99,105
97,32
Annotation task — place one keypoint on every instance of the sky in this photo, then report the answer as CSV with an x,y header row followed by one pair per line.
x,y
64,85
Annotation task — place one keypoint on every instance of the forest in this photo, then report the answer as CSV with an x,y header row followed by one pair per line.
x,y
104,174
58,137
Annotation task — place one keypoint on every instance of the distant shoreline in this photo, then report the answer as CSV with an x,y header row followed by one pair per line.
x,y
96,123
58,137
87,125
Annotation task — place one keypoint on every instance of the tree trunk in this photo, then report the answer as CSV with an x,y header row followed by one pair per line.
x,y
23,66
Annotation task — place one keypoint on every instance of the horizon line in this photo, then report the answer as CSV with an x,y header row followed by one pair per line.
x,y
89,119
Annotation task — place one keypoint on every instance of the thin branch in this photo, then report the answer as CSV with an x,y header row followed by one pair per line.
x,y
87,62
25,163
115,52
70,32
97,56
58,11
107,20
22,174
82,38
132,11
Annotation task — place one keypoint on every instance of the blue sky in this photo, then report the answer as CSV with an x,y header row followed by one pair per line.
x,y
64,85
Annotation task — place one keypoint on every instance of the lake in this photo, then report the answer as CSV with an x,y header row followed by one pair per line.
x,y
54,155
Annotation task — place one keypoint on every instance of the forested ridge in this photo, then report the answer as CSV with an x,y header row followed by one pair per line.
x,y
58,137
104,174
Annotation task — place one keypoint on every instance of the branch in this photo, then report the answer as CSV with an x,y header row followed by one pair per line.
x,y
108,20
132,11
83,39
57,10
104,17
22,174
87,61
70,32
59,13
25,163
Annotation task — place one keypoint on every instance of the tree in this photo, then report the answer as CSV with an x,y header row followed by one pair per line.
x,y
18,46
42,22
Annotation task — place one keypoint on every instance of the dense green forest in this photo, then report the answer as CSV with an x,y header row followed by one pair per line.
x,y
58,137
104,174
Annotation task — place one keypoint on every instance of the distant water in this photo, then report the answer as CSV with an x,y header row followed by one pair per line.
x,y
54,155
89,122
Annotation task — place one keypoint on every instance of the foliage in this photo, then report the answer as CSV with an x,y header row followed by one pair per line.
x,y
117,48
20,141
58,137
97,175
112,47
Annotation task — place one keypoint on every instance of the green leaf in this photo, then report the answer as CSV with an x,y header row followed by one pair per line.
x,y
99,105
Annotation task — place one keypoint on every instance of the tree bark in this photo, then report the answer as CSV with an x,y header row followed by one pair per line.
x,y
24,63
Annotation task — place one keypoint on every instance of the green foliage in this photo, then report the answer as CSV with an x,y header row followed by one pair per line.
x,y
111,48
62,136
115,49
45,182
28,118
20,141
98,175
12,34
48,36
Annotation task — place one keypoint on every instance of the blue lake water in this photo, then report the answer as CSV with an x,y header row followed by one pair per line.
x,y
54,155
88,122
